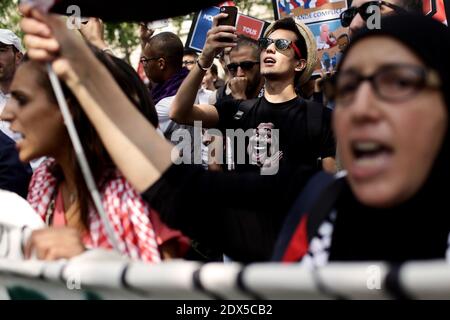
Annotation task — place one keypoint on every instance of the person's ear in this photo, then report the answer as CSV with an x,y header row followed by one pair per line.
x,y
301,64
162,63
18,57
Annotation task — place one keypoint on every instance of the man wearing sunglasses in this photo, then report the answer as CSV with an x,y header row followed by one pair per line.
x,y
245,81
357,15
288,57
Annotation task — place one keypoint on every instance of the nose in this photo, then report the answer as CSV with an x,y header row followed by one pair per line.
x,y
8,113
240,72
364,107
271,48
356,24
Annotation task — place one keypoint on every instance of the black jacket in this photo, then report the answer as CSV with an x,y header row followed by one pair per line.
x,y
14,175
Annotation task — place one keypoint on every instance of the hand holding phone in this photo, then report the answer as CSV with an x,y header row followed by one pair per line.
x,y
230,20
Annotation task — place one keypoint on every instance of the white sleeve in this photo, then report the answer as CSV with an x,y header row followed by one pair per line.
x,y
162,109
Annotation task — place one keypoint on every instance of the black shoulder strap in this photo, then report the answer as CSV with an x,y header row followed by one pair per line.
x,y
314,114
304,203
323,206
169,130
244,107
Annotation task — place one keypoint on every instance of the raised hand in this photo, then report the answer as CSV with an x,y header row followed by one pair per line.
x,y
93,31
238,86
54,243
213,46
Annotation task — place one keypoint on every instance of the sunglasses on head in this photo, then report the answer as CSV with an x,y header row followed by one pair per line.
x,y
245,65
348,15
280,45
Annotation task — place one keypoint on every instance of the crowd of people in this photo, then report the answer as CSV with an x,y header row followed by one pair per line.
x,y
286,165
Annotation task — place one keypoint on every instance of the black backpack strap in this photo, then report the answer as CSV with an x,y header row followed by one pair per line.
x,y
302,205
243,108
314,116
323,206
169,130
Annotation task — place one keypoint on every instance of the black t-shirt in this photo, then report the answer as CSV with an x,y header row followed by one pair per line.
x,y
14,175
290,118
239,214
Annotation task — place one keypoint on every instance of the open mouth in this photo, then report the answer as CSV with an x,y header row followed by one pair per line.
x,y
269,61
370,157
369,149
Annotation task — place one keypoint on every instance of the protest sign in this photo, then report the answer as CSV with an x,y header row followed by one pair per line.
x,y
438,9
331,39
245,25
309,11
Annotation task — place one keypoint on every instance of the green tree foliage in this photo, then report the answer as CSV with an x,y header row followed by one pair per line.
x,y
123,37
9,16
245,6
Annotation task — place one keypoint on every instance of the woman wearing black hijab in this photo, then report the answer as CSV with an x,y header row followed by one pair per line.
x,y
392,93
392,129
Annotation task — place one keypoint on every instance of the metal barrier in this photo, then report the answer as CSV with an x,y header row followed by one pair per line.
x,y
100,274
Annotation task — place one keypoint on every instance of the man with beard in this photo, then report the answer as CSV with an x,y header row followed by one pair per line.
x,y
10,57
14,175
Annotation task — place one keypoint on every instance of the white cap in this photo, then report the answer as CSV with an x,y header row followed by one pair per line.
x,y
9,38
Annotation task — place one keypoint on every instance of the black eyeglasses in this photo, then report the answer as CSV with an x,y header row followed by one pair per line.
x,y
145,60
391,83
188,62
245,65
280,45
348,15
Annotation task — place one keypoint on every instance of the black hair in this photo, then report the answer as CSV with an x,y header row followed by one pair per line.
x,y
102,166
168,46
214,70
190,52
244,41
288,23
412,6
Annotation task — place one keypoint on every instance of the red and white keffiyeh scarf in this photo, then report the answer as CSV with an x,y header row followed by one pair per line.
x,y
126,210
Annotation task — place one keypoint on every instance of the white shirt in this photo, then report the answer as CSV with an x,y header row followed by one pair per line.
x,y
162,109
204,96
166,124
4,125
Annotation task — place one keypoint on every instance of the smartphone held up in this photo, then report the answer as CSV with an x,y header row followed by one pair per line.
x,y
230,20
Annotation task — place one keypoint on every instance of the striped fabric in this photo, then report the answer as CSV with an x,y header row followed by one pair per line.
x,y
127,211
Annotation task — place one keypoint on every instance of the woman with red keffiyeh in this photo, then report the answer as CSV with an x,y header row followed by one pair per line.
x,y
57,190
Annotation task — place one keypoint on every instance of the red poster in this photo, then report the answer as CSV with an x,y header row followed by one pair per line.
x,y
250,27
436,9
